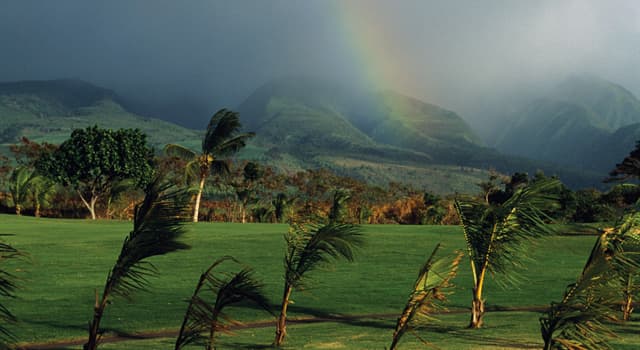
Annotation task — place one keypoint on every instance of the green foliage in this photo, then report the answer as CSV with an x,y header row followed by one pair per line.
x,y
338,208
93,159
429,293
157,229
311,246
579,320
8,287
215,292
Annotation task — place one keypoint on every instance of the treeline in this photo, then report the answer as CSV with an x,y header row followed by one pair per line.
x,y
251,192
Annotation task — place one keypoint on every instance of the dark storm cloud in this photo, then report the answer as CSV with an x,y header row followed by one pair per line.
x,y
214,53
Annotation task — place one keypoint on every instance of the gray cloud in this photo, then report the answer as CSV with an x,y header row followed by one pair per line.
x,y
214,53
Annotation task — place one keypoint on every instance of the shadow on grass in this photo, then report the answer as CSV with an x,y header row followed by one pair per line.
x,y
476,336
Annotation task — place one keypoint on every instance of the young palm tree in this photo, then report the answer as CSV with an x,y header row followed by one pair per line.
x,y
338,209
222,139
22,183
498,234
307,248
157,227
205,311
8,286
579,320
429,292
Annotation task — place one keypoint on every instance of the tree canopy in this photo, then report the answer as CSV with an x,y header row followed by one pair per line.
x,y
93,159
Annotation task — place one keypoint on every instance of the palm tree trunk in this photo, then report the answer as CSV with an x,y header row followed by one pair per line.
x,y
196,208
212,332
477,303
94,328
37,213
281,326
627,306
18,209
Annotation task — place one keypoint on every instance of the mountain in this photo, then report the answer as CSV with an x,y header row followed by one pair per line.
x,y
614,105
376,136
50,110
584,122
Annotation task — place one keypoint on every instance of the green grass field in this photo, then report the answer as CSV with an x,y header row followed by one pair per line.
x,y
69,260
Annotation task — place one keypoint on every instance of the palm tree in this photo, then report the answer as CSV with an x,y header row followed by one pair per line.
x,y
280,205
579,320
157,227
338,208
221,139
26,187
498,234
307,248
428,292
226,289
8,286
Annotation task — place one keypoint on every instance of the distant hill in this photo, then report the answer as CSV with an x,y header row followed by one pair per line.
x,y
50,110
585,122
302,123
376,136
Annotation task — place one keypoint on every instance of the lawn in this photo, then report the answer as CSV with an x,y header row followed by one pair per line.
x,y
69,259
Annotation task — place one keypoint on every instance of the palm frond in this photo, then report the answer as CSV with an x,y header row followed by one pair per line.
x,y
157,226
311,246
220,137
8,287
579,321
500,234
429,292
175,150
214,292
232,145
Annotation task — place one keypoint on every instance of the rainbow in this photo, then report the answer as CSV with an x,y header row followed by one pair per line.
x,y
386,66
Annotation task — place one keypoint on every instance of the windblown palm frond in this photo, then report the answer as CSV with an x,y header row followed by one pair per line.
x,y
500,235
428,294
308,247
8,287
311,246
579,320
174,150
222,138
157,228
213,293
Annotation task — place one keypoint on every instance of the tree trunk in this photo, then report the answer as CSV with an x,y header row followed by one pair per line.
x,y
627,305
37,213
281,326
94,328
91,205
477,303
196,208
18,209
477,312
212,332
243,213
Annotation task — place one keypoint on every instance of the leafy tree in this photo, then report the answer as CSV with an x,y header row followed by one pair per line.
x,y
157,228
498,234
28,152
429,292
93,159
307,248
215,292
222,139
8,286
579,320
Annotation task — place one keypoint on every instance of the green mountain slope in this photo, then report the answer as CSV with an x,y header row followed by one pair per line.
x,y
614,105
555,131
50,110
379,137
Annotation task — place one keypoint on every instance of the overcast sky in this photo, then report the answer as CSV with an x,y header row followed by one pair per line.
x,y
215,53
